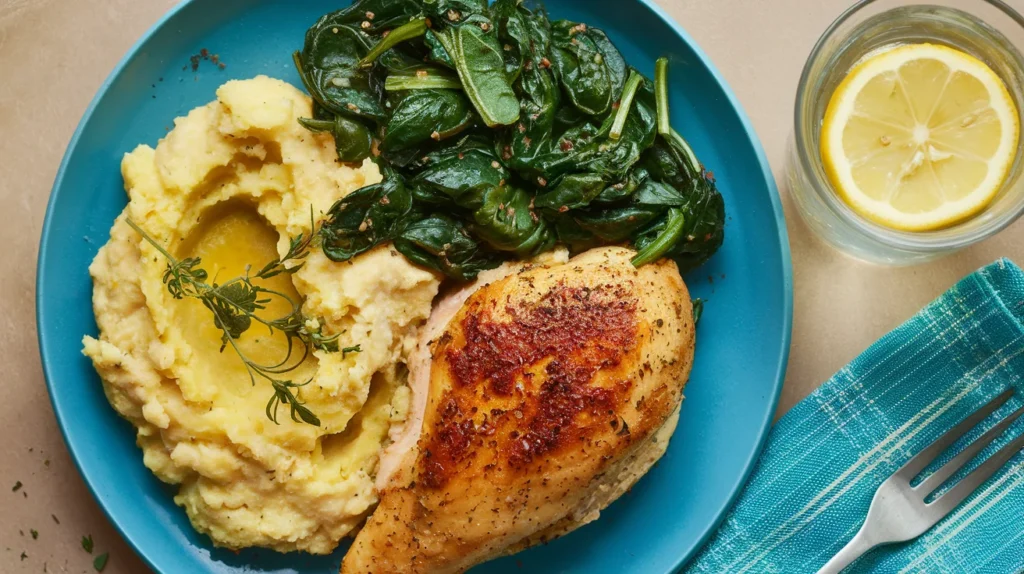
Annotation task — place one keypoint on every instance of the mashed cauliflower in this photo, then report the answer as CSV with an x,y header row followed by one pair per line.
x,y
232,183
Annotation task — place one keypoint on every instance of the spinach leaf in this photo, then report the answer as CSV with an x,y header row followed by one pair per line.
x,y
672,161
507,222
436,51
613,216
668,208
526,37
407,60
447,12
572,192
568,117
667,161
321,113
615,225
460,174
592,227
658,194
704,229
512,34
429,198
352,140
366,218
571,234
499,133
614,158
587,147
532,138
613,60
473,48
443,243
476,138
328,67
623,189
524,34
423,115
378,14
591,70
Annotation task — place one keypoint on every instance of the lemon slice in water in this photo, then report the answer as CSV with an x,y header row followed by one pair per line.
x,y
919,137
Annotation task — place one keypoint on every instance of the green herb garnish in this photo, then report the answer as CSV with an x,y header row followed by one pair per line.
x,y
34,533
17,486
100,562
87,543
234,305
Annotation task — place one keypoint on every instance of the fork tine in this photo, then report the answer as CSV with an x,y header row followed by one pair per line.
x,y
915,465
956,463
977,477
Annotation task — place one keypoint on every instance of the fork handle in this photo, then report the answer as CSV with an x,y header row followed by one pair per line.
x,y
852,551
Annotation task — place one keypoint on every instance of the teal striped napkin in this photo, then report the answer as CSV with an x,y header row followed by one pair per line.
x,y
824,459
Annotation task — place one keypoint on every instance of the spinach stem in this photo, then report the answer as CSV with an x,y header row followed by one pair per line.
x,y
625,103
428,82
408,31
317,126
661,95
668,237
170,258
690,156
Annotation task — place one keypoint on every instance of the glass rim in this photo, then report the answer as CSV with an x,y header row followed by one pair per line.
x,y
928,241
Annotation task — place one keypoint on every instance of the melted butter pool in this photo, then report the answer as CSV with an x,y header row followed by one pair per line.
x,y
229,237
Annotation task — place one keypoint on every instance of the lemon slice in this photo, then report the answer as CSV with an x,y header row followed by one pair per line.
x,y
919,137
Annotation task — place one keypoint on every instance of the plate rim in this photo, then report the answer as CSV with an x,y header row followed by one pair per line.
x,y
766,172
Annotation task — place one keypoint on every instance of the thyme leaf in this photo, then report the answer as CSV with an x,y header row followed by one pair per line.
x,y
235,305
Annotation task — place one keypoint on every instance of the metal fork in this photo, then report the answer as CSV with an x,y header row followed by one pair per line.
x,y
899,512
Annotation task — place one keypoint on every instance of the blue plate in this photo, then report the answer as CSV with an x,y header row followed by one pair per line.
x,y
743,339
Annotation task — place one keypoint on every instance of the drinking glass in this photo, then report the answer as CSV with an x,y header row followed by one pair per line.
x,y
987,29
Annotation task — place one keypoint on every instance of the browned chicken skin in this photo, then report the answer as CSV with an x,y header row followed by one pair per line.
x,y
549,393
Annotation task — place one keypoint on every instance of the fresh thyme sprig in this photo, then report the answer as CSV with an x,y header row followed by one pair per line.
x,y
234,305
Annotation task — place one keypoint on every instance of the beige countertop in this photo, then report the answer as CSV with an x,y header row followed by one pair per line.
x,y
54,54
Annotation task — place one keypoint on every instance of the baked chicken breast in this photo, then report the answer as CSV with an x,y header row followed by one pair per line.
x,y
540,394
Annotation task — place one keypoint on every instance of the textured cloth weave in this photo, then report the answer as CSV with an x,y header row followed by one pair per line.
x,y
824,459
